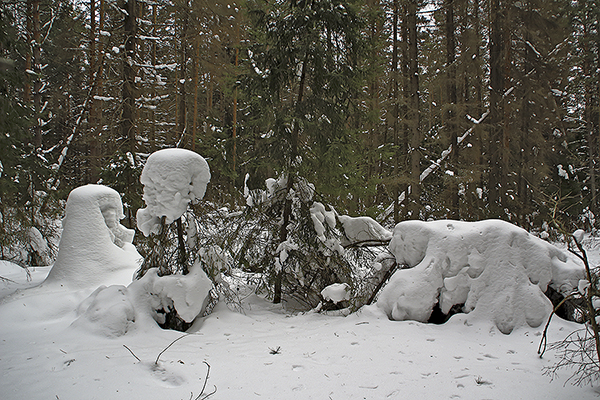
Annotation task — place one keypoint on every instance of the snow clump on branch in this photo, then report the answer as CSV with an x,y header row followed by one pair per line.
x,y
172,178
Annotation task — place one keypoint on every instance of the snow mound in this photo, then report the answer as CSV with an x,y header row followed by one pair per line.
x,y
116,310
94,246
336,292
496,270
172,178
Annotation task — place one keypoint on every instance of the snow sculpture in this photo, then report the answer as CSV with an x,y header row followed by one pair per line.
x,y
94,245
495,269
172,178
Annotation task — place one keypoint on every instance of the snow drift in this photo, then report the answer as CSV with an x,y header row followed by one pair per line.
x,y
117,310
172,178
94,246
494,269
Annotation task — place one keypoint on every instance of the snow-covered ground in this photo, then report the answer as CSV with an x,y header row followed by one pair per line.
x,y
265,353
71,337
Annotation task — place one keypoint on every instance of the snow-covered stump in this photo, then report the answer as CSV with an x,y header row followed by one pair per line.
x,y
94,247
493,269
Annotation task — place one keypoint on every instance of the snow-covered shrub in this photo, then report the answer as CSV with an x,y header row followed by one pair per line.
x,y
94,246
493,269
293,241
173,179
580,350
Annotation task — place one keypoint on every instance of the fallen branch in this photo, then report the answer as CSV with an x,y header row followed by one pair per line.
x,y
203,396
132,353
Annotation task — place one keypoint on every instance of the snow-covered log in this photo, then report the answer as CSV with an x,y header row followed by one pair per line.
x,y
492,268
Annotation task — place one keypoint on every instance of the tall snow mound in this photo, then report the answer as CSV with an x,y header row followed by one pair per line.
x,y
94,247
498,271
172,178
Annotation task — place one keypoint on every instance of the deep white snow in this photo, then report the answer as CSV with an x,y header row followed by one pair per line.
x,y
266,353
83,333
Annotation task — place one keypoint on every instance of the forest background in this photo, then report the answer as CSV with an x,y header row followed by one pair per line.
x,y
396,109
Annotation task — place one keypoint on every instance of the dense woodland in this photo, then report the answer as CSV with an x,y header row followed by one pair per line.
x,y
396,109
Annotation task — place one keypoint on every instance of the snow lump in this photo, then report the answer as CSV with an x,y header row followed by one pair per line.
x,y
493,269
116,310
172,178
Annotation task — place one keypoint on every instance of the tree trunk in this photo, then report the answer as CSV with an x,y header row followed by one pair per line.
x,y
495,118
451,117
396,112
128,130
287,209
37,85
182,108
152,139
195,72
413,109
95,82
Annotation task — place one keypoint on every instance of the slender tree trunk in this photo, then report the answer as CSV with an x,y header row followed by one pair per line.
x,y
451,119
495,118
287,209
152,135
37,85
235,112
129,91
396,112
29,54
195,72
413,108
588,113
95,82
182,115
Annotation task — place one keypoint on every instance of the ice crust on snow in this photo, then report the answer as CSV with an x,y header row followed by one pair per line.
x,y
497,270
172,178
94,247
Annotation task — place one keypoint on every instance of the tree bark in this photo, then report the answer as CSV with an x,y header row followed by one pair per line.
x,y
287,208
182,108
396,112
37,85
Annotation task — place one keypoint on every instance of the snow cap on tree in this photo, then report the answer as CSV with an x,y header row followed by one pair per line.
x,y
172,178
